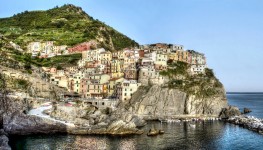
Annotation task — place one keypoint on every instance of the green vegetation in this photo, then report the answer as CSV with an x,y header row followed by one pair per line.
x,y
201,85
57,61
21,83
66,25
175,69
7,52
15,59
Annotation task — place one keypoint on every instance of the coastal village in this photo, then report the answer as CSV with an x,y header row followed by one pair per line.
x,y
103,77
65,73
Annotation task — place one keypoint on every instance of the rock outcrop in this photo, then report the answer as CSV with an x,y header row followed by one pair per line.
x,y
118,127
157,102
246,110
21,124
229,111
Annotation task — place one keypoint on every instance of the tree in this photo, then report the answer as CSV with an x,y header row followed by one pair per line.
x,y
209,73
59,67
27,66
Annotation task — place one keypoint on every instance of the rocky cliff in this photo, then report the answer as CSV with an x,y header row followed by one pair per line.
x,y
182,95
158,102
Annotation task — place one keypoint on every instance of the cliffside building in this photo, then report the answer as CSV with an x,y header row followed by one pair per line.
x,y
126,89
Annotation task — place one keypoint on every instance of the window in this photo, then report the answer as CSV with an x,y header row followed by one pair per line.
x,y
125,94
102,103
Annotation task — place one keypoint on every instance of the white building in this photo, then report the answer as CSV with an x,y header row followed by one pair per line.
x,y
161,59
152,56
196,69
93,55
175,47
126,89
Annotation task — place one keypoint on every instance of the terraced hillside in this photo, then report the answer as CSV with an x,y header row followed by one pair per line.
x,y
66,25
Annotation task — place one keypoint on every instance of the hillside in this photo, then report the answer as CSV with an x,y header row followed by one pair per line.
x,y
66,25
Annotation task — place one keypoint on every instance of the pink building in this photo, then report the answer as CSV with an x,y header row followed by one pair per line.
x,y
82,47
53,70
83,87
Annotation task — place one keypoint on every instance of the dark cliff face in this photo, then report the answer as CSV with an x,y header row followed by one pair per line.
x,y
157,102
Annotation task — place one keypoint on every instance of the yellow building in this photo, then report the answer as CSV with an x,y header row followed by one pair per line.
x,y
117,74
179,55
118,54
112,85
105,56
59,80
128,62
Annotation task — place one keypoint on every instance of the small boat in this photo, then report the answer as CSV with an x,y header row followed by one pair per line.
x,y
192,125
161,132
152,132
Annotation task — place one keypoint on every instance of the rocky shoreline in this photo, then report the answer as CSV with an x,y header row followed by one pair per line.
x,y
248,122
21,124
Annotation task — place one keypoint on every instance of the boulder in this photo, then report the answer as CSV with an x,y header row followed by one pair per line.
x,y
246,110
121,128
153,132
230,111
138,121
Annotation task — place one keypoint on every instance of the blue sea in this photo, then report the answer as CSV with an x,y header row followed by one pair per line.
x,y
214,135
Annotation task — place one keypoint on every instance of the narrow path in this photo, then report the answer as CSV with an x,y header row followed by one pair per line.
x,y
39,112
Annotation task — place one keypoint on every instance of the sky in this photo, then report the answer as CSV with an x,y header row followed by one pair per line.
x,y
228,32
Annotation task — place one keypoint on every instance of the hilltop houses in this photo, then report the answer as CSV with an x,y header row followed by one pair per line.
x,y
46,49
49,49
102,74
